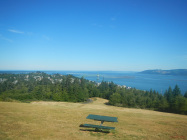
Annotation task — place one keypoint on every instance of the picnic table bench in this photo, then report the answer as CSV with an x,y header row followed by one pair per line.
x,y
102,119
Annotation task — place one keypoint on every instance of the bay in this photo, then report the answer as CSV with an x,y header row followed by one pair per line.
x,y
136,80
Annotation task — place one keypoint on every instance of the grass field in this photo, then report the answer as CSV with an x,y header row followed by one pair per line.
x,y
61,120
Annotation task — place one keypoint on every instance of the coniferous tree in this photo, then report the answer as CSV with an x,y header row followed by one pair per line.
x,y
115,99
41,86
176,91
185,94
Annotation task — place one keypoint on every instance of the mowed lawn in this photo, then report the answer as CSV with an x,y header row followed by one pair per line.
x,y
61,120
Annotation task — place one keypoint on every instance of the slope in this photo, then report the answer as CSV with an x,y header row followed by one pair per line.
x,y
61,120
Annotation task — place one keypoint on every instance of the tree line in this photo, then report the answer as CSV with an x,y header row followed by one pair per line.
x,y
42,86
172,101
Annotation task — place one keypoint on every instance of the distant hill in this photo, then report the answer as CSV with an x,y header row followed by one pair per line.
x,y
182,72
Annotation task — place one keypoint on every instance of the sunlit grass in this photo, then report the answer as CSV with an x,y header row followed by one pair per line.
x,y
61,120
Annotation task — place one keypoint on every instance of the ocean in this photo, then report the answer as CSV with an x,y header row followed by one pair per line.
x,y
136,80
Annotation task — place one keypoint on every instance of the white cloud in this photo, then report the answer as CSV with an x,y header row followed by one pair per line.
x,y
4,38
15,31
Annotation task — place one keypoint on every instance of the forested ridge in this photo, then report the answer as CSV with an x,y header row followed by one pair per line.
x,y
56,87
181,72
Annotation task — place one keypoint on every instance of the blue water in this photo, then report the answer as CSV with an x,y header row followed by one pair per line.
x,y
131,79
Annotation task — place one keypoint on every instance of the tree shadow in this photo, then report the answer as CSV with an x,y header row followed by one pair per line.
x,y
108,104
88,101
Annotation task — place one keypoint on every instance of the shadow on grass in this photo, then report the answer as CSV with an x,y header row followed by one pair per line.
x,y
88,101
91,130
94,130
107,103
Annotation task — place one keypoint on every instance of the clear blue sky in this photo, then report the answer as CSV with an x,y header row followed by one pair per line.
x,y
118,35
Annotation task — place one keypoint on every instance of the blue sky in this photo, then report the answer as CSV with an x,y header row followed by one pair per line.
x,y
117,35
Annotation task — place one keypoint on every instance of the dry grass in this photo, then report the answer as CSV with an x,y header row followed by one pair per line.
x,y
61,120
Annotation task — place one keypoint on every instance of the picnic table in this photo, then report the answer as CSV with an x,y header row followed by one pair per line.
x,y
102,119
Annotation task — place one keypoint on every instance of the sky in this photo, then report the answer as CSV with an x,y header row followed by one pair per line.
x,y
93,35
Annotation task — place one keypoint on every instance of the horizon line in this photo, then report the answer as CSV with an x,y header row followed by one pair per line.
x,y
76,70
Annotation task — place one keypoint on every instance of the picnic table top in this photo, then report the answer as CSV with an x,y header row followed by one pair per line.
x,y
102,118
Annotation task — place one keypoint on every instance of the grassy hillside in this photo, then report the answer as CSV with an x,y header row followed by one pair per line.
x,y
61,120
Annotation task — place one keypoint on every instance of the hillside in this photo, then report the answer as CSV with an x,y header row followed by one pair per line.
x,y
182,72
61,120
42,86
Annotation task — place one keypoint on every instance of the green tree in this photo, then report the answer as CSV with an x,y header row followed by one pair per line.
x,y
176,91
163,104
115,99
65,96
57,96
180,105
185,94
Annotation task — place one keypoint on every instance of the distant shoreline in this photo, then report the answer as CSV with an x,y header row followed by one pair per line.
x,y
138,80
178,72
